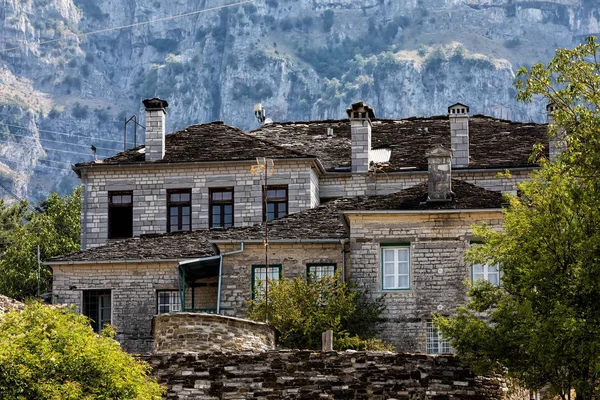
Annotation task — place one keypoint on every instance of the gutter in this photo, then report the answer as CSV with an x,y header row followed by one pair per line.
x,y
132,261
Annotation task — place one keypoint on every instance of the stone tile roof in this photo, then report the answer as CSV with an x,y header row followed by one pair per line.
x,y
169,246
322,222
207,142
494,143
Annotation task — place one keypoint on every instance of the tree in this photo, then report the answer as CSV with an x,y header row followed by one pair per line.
x,y
542,326
302,309
53,353
54,226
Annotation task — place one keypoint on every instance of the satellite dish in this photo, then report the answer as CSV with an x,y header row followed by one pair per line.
x,y
268,121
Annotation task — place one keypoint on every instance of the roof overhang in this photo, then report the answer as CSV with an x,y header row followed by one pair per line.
x,y
201,268
257,241
117,261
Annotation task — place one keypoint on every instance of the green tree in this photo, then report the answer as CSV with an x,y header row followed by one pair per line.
x,y
542,326
54,226
53,353
302,309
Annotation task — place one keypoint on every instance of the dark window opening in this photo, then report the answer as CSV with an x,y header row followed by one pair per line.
x,y
168,301
120,215
277,202
97,307
179,210
221,208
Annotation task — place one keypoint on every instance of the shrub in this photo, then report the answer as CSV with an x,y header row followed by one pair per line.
x,y
164,45
52,353
79,111
272,3
301,310
512,43
327,20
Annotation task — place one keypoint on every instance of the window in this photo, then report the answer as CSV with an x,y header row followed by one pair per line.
x,y
120,215
436,344
179,205
395,262
490,273
318,271
97,307
259,274
221,208
168,301
277,202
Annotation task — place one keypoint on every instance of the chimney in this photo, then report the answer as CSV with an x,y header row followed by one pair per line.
x,y
360,127
439,182
155,128
459,134
556,143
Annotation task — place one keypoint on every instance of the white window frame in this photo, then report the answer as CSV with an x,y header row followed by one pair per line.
x,y
259,274
436,343
174,301
486,274
401,267
317,271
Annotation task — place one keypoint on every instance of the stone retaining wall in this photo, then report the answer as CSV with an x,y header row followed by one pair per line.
x,y
206,333
311,375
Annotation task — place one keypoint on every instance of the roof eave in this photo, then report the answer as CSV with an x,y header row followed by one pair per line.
x,y
417,212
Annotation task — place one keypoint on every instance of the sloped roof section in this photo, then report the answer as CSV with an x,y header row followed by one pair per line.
x,y
494,143
207,142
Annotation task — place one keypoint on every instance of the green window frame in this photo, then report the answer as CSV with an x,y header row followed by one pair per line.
x,y
395,266
274,275
320,270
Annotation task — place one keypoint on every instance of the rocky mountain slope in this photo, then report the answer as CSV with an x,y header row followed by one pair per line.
x,y
302,59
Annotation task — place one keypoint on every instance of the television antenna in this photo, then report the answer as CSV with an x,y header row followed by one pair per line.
x,y
265,167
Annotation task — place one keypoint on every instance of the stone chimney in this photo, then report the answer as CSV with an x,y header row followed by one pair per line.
x,y
459,134
360,126
556,143
439,160
155,128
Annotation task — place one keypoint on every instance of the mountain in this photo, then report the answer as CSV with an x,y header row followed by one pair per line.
x,y
62,90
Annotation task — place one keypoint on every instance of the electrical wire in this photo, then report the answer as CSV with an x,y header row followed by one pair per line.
x,y
68,143
79,35
62,133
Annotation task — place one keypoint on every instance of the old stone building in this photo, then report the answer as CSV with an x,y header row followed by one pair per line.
x,y
176,225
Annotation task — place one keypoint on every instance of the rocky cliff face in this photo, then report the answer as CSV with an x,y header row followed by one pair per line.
x,y
303,59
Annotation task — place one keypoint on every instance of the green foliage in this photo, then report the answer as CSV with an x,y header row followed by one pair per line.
x,y
164,45
302,310
79,111
52,353
55,228
272,3
328,19
512,43
543,324
91,9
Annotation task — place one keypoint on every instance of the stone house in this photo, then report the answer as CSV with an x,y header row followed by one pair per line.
x,y
176,225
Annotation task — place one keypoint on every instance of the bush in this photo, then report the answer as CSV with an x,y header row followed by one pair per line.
x,y
327,20
512,43
164,45
272,3
302,310
79,111
52,353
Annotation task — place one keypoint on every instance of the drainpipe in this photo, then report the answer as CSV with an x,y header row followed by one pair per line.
x,y
221,274
343,244
85,210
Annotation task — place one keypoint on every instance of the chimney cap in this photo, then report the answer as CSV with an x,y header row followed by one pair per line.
x,y
439,151
155,103
459,108
362,109
551,107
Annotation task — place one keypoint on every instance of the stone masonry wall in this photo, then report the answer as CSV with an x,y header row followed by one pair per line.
x,y
209,333
312,375
133,288
293,257
437,245
150,185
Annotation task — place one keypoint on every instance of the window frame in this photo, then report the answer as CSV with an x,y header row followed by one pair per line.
x,y
97,326
395,246
179,205
276,201
174,294
112,206
258,266
319,264
441,342
221,204
486,273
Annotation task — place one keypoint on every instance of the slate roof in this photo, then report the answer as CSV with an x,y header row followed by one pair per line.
x,y
494,143
322,222
207,142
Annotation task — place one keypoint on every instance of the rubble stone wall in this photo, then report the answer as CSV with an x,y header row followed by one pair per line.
x,y
312,375
209,333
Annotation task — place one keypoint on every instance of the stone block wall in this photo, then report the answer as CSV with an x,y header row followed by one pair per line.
x,y
293,257
150,184
437,245
209,333
312,375
133,289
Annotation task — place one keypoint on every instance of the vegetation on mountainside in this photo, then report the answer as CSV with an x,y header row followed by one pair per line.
x,y
302,309
53,353
543,325
54,226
